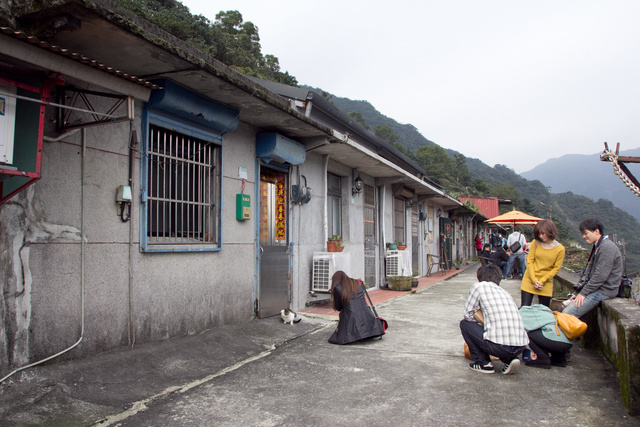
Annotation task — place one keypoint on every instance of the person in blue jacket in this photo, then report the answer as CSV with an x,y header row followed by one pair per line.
x,y
546,340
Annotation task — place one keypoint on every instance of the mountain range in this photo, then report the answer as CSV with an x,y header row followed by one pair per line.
x,y
587,175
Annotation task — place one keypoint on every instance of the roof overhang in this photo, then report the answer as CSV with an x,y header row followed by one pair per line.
x,y
116,37
354,155
21,55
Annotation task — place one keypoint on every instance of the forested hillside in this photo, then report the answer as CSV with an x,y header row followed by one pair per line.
x,y
410,136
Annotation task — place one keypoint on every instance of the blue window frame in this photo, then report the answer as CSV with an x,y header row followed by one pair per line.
x,y
182,186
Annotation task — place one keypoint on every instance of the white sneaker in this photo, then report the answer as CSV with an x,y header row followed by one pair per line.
x,y
511,367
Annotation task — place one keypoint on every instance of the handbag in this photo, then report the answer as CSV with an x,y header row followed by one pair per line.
x,y
571,326
384,325
624,291
515,246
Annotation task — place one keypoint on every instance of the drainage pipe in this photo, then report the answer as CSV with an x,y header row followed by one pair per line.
x,y
133,146
82,256
325,220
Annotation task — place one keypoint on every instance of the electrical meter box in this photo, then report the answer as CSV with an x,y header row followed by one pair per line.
x,y
243,207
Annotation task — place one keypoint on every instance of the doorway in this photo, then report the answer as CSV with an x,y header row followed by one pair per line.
x,y
273,288
446,236
369,236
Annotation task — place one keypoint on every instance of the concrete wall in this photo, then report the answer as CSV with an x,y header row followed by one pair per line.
x,y
614,327
165,295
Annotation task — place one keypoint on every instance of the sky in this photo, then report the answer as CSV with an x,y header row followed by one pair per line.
x,y
507,82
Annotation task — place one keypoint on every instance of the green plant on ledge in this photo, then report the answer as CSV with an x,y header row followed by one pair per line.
x,y
334,244
399,283
336,239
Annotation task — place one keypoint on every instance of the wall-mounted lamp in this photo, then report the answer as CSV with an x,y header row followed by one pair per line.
x,y
357,186
439,212
409,203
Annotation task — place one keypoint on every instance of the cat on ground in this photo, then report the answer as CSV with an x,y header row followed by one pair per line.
x,y
289,316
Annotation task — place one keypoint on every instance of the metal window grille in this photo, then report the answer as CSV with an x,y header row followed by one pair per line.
x,y
182,190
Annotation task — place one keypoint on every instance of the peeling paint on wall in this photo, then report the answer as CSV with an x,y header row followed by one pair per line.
x,y
22,224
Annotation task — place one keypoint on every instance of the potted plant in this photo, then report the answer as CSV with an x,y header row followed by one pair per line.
x,y
414,281
399,283
334,244
392,246
401,246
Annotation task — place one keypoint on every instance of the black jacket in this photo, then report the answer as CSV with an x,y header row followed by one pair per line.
x,y
357,321
499,257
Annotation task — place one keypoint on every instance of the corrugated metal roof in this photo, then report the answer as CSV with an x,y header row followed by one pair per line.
x,y
75,57
488,206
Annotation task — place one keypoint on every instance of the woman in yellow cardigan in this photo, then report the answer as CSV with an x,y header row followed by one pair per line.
x,y
545,258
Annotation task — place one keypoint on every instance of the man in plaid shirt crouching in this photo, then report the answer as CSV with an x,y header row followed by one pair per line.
x,y
502,333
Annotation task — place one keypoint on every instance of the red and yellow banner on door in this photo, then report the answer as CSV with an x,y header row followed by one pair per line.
x,y
275,226
281,212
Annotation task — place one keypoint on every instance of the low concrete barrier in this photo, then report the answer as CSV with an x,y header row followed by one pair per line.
x,y
614,328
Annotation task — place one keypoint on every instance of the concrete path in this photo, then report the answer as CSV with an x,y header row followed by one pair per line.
x,y
265,373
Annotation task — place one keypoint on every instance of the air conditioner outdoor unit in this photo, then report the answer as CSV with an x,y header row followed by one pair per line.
x,y
394,263
324,265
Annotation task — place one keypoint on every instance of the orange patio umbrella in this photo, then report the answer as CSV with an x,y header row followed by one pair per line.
x,y
514,217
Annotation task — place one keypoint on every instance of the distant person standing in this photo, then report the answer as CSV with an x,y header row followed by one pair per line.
x,y
601,278
478,241
494,240
545,258
520,255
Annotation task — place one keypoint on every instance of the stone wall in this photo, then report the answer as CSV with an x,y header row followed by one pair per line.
x,y
614,328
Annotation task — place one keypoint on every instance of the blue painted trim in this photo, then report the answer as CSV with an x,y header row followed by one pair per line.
x,y
151,116
178,124
256,225
194,107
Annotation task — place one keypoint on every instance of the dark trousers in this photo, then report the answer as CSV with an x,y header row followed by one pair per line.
x,y
480,349
527,299
542,346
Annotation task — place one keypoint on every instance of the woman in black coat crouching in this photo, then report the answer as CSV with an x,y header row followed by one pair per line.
x,y
357,321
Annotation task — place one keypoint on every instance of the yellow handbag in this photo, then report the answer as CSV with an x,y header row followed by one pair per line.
x,y
571,326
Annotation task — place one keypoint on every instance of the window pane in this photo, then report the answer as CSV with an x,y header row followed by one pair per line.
x,y
182,189
399,220
334,192
336,224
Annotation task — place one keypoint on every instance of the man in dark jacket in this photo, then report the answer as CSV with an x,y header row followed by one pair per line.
x,y
601,279
485,254
500,257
